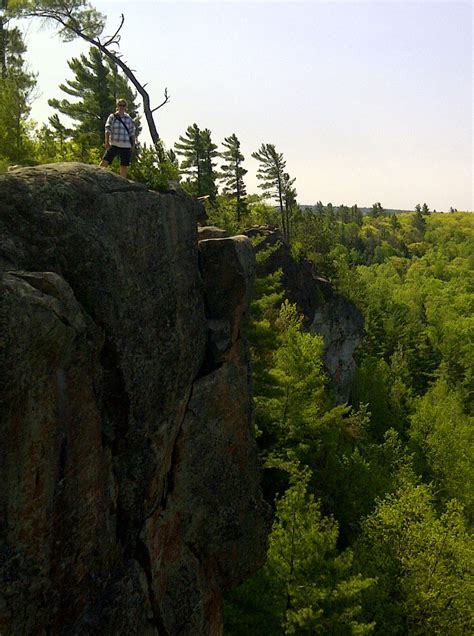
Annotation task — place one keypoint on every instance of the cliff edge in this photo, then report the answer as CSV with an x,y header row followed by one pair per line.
x,y
130,494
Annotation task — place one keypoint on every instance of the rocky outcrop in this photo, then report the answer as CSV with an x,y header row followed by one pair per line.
x,y
341,325
325,312
211,231
130,492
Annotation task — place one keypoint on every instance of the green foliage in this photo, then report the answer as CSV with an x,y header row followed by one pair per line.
x,y
307,586
259,213
72,15
198,163
96,85
443,437
376,210
50,145
233,173
154,166
411,415
17,84
276,183
373,500
224,214
270,171
423,562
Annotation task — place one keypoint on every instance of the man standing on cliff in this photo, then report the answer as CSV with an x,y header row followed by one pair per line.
x,y
119,138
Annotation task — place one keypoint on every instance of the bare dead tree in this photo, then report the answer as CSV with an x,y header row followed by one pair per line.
x,y
87,24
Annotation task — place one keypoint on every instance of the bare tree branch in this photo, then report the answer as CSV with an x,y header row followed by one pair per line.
x,y
165,101
115,38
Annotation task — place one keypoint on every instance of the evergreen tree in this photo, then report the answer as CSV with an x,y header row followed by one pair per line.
x,y
289,199
356,215
343,213
189,146
199,153
319,208
320,594
3,40
17,84
329,212
95,87
307,586
425,209
377,210
419,222
271,174
233,173
209,174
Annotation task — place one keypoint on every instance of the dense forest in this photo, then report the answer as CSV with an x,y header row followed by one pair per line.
x,y
373,500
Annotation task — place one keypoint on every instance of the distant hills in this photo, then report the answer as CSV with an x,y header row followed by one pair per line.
x,y
363,210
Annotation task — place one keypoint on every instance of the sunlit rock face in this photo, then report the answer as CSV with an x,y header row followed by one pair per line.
x,y
341,325
130,495
325,312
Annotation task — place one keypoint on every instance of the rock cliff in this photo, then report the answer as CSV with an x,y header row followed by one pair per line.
x,y
130,494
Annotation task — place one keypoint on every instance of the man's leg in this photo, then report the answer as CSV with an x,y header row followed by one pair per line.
x,y
125,156
108,156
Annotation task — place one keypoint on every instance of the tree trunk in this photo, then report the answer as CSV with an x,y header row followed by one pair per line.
x,y
3,40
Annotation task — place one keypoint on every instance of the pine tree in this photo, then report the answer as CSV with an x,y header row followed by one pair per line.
x,y
3,40
95,87
199,153
356,215
329,212
377,210
319,208
273,182
209,175
17,84
289,198
321,594
343,213
306,586
233,173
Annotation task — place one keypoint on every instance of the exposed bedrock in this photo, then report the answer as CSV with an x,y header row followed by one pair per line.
x,y
130,495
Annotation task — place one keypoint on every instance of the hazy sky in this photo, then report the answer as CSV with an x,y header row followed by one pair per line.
x,y
367,101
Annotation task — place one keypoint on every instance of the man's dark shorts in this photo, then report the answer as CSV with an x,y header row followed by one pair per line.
x,y
113,151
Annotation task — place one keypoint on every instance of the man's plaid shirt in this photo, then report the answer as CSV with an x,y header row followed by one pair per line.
x,y
118,135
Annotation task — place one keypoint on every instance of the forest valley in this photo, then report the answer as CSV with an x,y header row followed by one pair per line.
x,y
373,500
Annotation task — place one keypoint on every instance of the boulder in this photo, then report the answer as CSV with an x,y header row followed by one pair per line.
x,y
210,232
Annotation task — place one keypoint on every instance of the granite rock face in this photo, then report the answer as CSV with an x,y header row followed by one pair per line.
x,y
341,325
325,312
130,494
